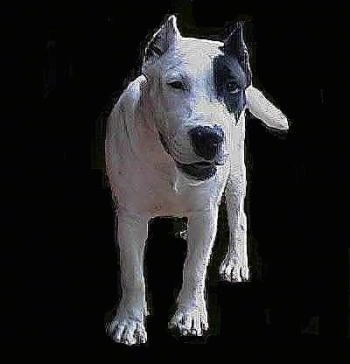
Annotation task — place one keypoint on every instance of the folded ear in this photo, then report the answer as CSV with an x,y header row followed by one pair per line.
x,y
161,40
264,110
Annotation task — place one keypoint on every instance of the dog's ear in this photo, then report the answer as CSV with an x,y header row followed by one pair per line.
x,y
162,40
264,110
234,45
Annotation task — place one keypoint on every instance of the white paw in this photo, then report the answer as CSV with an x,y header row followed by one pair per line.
x,y
127,330
191,321
234,270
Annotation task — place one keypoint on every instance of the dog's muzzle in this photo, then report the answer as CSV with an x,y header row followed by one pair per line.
x,y
200,171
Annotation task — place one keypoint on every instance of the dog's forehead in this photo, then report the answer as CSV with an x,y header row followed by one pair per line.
x,y
199,52
194,56
193,47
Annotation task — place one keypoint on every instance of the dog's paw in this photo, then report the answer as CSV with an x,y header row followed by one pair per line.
x,y
127,331
232,270
190,321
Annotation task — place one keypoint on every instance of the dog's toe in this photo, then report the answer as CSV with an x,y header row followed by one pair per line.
x,y
178,319
233,271
117,332
140,334
190,322
128,337
245,273
127,331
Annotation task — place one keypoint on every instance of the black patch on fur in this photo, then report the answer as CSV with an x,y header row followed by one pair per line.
x,y
235,46
232,71
228,70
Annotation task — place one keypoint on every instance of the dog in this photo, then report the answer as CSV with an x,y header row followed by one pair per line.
x,y
174,144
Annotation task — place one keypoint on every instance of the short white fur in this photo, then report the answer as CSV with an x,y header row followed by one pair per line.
x,y
146,183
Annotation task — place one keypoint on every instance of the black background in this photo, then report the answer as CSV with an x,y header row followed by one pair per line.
x,y
64,66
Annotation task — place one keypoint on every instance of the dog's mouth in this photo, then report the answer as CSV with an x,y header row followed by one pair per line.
x,y
200,170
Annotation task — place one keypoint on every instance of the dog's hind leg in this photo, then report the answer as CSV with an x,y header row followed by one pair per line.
x,y
191,315
235,268
128,325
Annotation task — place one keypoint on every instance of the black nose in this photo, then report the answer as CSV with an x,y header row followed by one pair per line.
x,y
206,140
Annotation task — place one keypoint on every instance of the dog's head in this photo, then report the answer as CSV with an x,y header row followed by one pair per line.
x,y
198,93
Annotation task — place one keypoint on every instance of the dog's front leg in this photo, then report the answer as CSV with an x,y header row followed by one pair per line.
x,y
235,268
128,325
191,315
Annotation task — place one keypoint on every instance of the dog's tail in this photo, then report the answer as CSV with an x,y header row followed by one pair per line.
x,y
264,110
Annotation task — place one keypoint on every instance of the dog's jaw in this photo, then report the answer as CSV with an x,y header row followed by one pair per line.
x,y
198,171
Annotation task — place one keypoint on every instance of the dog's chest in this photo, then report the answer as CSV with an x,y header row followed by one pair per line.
x,y
157,188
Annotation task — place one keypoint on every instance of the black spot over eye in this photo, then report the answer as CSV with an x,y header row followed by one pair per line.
x,y
232,87
177,85
230,83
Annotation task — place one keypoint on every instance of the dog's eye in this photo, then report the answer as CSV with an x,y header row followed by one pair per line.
x,y
177,84
232,87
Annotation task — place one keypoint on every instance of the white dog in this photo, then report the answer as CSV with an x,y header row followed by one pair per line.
x,y
174,145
